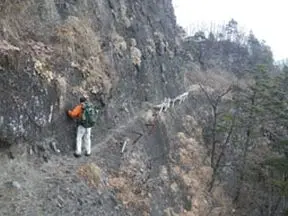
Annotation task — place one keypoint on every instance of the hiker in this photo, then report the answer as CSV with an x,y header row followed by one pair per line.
x,y
85,114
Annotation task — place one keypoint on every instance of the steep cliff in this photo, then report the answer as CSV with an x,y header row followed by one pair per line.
x,y
125,56
53,51
150,150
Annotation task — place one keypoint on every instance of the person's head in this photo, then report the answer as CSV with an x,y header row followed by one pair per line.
x,y
83,99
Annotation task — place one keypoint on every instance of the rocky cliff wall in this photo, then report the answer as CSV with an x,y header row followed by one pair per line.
x,y
118,53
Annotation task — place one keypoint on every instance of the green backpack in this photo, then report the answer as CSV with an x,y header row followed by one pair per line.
x,y
89,115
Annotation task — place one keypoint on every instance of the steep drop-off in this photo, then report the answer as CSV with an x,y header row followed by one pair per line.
x,y
148,153
123,55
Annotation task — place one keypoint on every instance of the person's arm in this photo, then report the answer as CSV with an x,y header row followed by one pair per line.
x,y
76,112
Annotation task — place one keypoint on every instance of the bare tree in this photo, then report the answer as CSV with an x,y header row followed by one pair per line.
x,y
217,147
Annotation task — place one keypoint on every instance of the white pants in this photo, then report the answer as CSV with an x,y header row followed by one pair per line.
x,y
86,133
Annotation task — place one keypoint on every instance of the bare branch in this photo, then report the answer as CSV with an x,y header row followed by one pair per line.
x,y
207,95
219,98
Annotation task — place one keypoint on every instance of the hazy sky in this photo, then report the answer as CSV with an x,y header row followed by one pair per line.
x,y
267,18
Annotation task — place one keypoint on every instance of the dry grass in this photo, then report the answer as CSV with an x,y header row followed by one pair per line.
x,y
14,18
78,38
192,154
91,174
131,195
80,43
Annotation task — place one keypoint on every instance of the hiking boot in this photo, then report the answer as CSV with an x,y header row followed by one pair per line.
x,y
77,155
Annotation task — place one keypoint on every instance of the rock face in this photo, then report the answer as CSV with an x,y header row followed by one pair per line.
x,y
123,53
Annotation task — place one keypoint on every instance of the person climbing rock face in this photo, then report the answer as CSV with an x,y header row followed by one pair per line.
x,y
85,115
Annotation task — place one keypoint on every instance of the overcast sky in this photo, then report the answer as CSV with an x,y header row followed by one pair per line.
x,y
267,18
